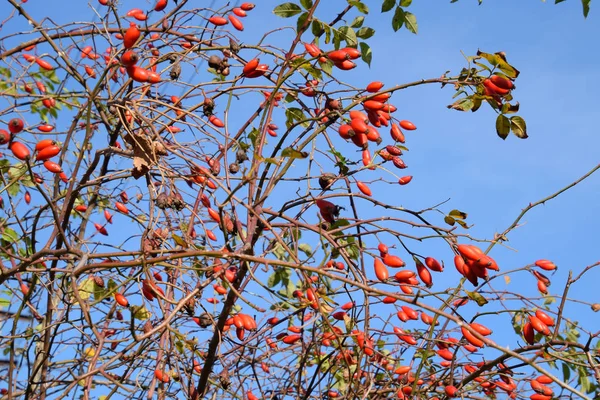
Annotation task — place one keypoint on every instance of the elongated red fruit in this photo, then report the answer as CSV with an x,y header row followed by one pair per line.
x,y
291,339
374,87
409,126
381,270
364,188
546,265
528,333
132,34
121,300
433,264
502,82
237,24
424,273
545,318
218,20
47,152
20,151
405,180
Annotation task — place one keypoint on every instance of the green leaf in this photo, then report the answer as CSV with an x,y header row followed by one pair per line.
x,y
179,241
4,303
293,153
349,36
327,66
316,73
305,248
502,126
360,6
294,115
253,136
287,10
405,3
307,4
387,5
86,288
10,235
140,312
498,60
449,220
366,53
274,279
464,104
477,297
398,19
566,372
508,108
358,21
365,33
458,214
586,7
410,21
518,127
301,21
316,27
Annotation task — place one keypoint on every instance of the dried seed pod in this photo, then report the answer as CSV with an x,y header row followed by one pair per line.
x,y
175,71
234,168
177,202
163,201
214,61
326,180
204,320
241,156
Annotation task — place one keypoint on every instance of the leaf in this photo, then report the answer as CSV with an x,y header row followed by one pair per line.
x,y
506,279
4,303
140,312
498,60
293,153
316,73
301,22
327,66
179,241
365,33
502,126
449,220
518,127
464,104
287,10
144,154
410,21
478,298
274,279
294,115
458,214
566,372
316,27
387,5
307,4
305,248
463,224
10,235
86,288
405,3
366,53
586,7
349,36
358,22
360,6
508,108
398,19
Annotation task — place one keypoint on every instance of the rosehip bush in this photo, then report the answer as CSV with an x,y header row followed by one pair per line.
x,y
191,214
